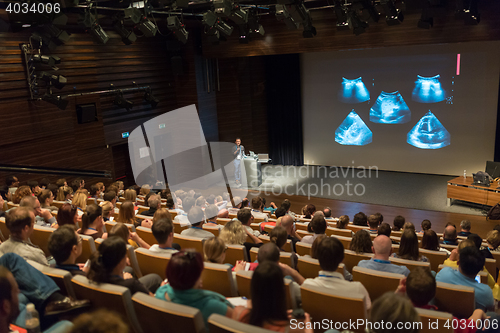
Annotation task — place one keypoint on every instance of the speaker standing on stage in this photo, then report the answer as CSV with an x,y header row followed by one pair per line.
x,y
238,153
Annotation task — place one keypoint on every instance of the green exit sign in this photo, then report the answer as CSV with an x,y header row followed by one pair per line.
x,y
162,126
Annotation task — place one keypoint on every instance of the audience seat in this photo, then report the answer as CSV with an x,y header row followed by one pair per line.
x,y
356,228
156,315
447,296
133,261
88,248
152,262
11,205
3,228
346,241
188,242
258,220
143,217
243,281
267,228
235,253
173,213
213,229
491,266
219,278
146,234
91,201
61,277
410,264
109,296
40,237
254,226
285,257
352,258
436,258
428,317
178,228
496,255
222,220
448,247
399,233
301,226
287,247
309,267
338,232
111,224
376,282
141,209
303,233
321,304
303,249
222,324
232,216
58,204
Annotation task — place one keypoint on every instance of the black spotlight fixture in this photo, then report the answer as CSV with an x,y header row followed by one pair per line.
x,y
148,96
57,81
128,36
341,14
177,28
60,101
254,25
97,32
393,15
122,102
468,11
147,27
357,25
56,34
46,60
211,20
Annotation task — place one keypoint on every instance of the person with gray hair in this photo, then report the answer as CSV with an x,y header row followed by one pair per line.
x,y
196,218
211,216
43,217
182,217
154,203
465,226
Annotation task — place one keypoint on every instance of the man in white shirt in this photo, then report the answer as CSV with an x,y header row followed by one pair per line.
x,y
163,231
182,218
246,218
211,215
257,209
330,253
328,213
318,225
238,154
196,217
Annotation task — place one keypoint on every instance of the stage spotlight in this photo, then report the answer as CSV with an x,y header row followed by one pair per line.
x,y
128,37
122,102
211,20
60,101
134,14
95,30
239,16
341,14
60,36
177,28
147,27
283,14
368,10
309,30
148,96
57,81
253,23
223,7
46,60
356,24
393,16
469,11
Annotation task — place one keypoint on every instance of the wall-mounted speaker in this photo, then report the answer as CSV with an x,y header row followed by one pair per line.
x,y
86,113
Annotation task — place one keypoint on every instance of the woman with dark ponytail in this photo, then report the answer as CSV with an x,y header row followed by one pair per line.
x,y
279,236
92,222
108,263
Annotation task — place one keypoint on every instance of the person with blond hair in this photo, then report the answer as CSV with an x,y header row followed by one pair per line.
x,y
46,198
126,214
130,195
64,193
80,200
233,233
108,211
214,250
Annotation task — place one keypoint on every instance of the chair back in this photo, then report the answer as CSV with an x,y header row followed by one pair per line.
x,y
356,228
141,209
303,233
436,258
222,324
447,296
346,241
448,247
146,234
40,237
309,268
376,282
285,257
222,220
91,201
173,213
152,262
235,253
338,232
287,247
410,264
301,226
219,278
178,228
352,258
156,315
303,249
495,254
267,228
336,306
188,242
61,277
435,321
88,248
3,229
11,205
58,204
108,296
111,224
491,266
213,229
133,261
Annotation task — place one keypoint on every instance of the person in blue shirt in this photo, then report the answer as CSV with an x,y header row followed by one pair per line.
x,y
382,248
470,263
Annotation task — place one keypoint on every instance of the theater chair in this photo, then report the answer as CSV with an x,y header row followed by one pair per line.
x,y
173,213
141,209
352,258
491,266
188,242
146,234
356,228
222,220
309,267
61,277
213,229
111,224
455,299
301,226
285,257
222,324
219,278
303,249
40,237
108,296
346,241
88,248
338,232
429,318
436,258
244,279
156,315
235,253
3,229
178,228
58,204
287,247
152,262
376,283
321,304
410,264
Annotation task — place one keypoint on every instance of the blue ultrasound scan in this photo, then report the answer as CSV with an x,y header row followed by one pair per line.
x,y
429,133
353,131
353,91
428,90
390,108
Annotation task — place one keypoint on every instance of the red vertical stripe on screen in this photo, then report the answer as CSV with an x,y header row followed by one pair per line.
x,y
458,64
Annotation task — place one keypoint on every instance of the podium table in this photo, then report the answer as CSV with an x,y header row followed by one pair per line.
x,y
461,188
251,172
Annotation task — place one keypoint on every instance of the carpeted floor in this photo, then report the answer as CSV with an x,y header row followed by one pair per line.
x,y
400,189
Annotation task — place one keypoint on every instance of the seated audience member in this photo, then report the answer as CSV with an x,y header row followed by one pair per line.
x,y
211,212
286,205
111,197
449,236
279,237
361,242
77,184
287,223
382,248
46,198
278,213
318,226
257,209
99,321
200,202
131,238
126,214
185,286
108,211
379,217
464,228
246,218
92,222
399,222
43,217
342,222
327,212
182,218
360,219
272,207
161,213
384,229
470,263
34,187
408,225
163,232
53,188
309,211
108,263
493,241
330,252
452,261
145,190
95,192
44,183
61,182
268,308
196,218
67,214
131,195
234,233
65,245
101,187
408,247
64,194
80,200
21,192
372,222
223,214
425,225
478,241
214,250
170,204
20,222
430,241
12,183
314,246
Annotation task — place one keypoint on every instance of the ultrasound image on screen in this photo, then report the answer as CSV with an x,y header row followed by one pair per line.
x,y
428,90
353,131
390,108
353,91
429,133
